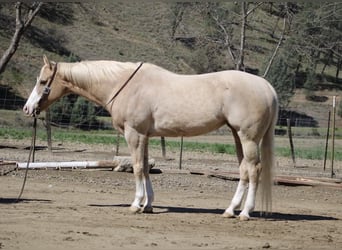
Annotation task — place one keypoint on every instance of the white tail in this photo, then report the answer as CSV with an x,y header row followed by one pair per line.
x,y
267,163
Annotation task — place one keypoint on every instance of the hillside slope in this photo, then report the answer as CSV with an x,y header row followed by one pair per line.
x,y
124,32
132,32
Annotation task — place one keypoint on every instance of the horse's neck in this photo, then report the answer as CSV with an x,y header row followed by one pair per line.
x,y
95,81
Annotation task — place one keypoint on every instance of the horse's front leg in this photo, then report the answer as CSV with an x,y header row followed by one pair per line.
x,y
138,145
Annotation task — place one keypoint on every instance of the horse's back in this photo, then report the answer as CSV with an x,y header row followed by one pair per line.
x,y
197,104
238,81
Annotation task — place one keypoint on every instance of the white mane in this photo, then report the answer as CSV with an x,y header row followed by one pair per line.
x,y
94,72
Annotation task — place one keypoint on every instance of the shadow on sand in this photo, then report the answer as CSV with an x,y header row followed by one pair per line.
x,y
15,200
256,215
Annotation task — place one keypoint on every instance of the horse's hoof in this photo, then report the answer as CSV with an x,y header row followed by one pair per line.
x,y
147,210
135,210
243,217
228,215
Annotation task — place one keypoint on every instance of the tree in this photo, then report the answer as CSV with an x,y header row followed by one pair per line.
x,y
310,82
83,114
22,22
61,111
316,35
285,12
225,21
339,112
282,77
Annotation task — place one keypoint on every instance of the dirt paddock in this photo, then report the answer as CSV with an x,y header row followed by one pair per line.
x,y
88,209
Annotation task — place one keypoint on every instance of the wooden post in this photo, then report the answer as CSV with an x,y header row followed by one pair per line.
x,y
162,142
48,129
34,135
117,143
291,142
326,142
333,137
181,153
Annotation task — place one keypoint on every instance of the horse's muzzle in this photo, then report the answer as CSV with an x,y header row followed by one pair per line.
x,y
35,112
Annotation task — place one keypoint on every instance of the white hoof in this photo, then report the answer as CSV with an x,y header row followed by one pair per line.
x,y
228,215
135,210
243,217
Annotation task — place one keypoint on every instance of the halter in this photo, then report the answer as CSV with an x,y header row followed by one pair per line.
x,y
124,85
47,89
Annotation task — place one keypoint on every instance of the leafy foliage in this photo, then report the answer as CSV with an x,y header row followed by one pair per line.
x,y
282,78
83,114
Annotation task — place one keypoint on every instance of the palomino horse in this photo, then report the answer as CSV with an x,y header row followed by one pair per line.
x,y
145,100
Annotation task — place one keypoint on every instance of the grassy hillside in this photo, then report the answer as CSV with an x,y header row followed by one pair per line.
x,y
123,32
89,31
132,32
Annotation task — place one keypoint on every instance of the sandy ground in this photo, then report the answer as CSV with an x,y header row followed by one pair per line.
x,y
88,209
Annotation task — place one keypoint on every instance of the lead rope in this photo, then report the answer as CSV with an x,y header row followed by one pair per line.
x,y
32,149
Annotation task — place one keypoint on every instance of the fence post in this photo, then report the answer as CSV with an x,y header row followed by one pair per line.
x,y
291,142
34,138
326,142
162,142
181,153
333,137
48,129
117,143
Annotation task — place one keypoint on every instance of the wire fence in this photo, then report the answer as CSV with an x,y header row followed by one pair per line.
x,y
301,141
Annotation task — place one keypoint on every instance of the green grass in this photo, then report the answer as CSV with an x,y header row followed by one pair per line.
x,y
16,134
313,152
319,132
198,146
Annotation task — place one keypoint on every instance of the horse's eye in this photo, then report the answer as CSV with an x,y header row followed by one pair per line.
x,y
43,82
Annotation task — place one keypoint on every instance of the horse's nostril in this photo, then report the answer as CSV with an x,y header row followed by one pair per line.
x,y
25,109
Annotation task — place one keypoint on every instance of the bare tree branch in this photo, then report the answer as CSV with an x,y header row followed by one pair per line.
x,y
21,24
244,15
237,57
254,8
240,63
276,49
227,39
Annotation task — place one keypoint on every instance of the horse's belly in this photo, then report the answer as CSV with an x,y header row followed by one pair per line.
x,y
185,127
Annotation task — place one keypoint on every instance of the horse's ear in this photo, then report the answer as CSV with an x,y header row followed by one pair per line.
x,y
46,61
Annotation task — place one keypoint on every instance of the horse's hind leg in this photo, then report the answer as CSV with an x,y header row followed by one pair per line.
x,y
249,173
238,196
138,145
238,146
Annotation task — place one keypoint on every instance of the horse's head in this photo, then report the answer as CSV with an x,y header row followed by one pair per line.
x,y
49,88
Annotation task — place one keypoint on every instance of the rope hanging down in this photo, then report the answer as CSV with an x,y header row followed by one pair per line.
x,y
31,154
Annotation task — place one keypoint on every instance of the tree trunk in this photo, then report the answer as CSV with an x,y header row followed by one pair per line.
x,y
240,65
240,62
338,67
276,49
20,27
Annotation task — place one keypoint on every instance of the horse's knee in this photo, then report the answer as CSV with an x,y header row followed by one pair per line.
x,y
138,170
254,174
251,152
